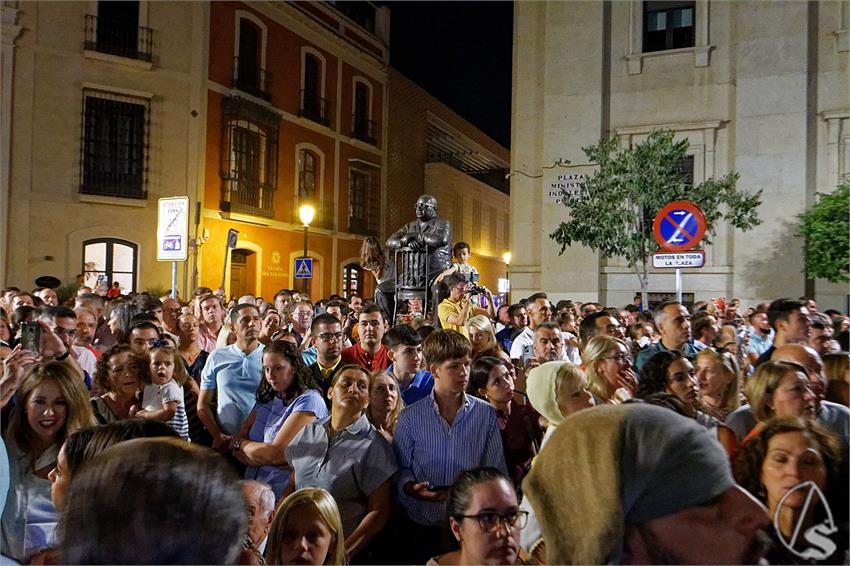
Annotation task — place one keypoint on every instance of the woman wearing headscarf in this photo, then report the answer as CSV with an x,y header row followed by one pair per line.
x,y
637,483
556,390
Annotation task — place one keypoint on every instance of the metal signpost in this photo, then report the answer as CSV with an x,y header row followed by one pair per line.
x,y
232,238
172,234
678,228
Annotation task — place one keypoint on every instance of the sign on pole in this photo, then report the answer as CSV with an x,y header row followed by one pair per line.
x,y
172,229
303,267
694,258
232,237
679,226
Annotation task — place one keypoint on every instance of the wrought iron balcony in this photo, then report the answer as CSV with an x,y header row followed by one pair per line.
x,y
364,130
314,108
251,78
250,197
117,37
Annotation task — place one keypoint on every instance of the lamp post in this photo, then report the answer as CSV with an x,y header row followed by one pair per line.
x,y
306,214
506,257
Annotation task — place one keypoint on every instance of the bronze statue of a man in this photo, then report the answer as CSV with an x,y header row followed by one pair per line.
x,y
428,232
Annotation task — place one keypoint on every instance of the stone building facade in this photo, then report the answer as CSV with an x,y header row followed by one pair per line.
x,y
756,87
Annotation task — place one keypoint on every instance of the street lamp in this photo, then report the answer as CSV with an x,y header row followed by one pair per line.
x,y
306,214
506,257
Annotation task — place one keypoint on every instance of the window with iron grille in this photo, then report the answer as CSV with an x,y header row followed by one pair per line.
x,y
668,25
249,159
362,202
115,30
114,145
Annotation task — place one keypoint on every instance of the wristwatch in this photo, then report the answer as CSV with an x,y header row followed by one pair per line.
x,y
63,357
237,445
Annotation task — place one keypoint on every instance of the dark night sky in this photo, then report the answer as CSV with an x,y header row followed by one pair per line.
x,y
460,52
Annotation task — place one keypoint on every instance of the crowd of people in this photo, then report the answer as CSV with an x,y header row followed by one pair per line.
x,y
143,429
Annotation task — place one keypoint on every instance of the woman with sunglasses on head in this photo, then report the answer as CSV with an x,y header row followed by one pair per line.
x,y
485,518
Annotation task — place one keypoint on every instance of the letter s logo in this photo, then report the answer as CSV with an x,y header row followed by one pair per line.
x,y
821,546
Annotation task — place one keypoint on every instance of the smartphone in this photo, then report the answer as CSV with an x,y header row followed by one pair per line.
x,y
439,487
474,277
30,336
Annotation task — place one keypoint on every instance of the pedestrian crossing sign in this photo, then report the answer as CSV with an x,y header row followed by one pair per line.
x,y
303,267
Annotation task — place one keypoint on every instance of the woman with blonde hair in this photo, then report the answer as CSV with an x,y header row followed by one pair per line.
x,y
385,403
608,367
307,529
483,339
719,386
372,259
779,389
52,403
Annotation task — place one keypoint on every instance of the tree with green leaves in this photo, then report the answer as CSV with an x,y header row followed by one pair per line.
x,y
825,227
612,211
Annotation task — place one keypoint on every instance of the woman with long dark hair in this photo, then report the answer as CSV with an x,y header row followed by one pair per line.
x,y
52,403
288,399
372,259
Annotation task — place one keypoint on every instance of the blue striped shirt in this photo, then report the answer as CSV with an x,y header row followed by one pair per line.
x,y
429,449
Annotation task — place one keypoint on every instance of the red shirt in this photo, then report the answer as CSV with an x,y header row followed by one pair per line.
x,y
357,355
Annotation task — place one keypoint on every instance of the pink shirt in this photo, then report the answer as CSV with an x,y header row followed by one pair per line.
x,y
207,339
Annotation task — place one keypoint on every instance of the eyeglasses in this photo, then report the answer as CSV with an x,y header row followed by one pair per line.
x,y
59,331
331,336
620,358
489,522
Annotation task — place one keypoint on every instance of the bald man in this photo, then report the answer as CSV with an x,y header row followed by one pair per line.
x,y
832,416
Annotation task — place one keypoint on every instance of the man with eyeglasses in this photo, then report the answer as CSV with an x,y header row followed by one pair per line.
x,y
63,322
369,352
301,316
326,331
170,314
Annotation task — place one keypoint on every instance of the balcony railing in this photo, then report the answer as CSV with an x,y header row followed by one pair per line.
x,y
250,197
251,78
116,37
364,130
314,108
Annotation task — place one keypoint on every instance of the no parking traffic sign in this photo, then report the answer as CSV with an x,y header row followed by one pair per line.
x,y
679,226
